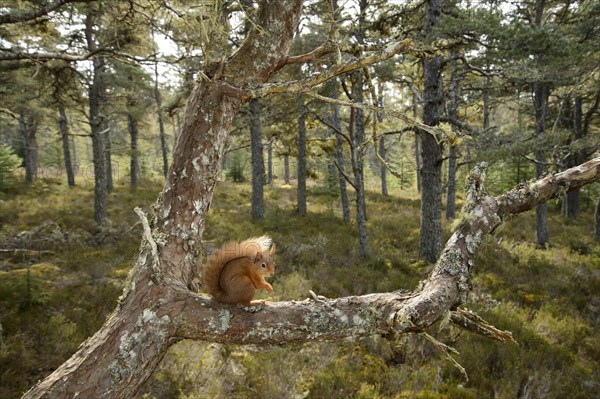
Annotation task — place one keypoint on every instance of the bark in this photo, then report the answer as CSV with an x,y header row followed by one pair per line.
x,y
301,145
339,150
571,204
270,161
74,153
382,168
430,241
486,103
286,168
134,167
541,93
382,149
418,160
64,134
357,136
161,124
451,189
28,127
258,162
357,160
108,157
97,124
453,150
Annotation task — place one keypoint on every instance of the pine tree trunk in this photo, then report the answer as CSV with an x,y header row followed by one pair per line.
x,y
74,153
571,206
418,161
486,103
382,169
451,190
95,94
28,127
286,168
430,244
110,186
357,135
64,134
134,169
258,162
270,161
357,157
382,149
301,145
161,124
453,150
541,93
335,120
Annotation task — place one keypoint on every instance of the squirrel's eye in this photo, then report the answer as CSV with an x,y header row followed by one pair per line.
x,y
263,265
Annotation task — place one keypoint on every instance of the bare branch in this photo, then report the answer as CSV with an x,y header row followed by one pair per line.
x,y
473,68
464,126
526,196
332,127
412,123
323,49
471,321
8,55
345,176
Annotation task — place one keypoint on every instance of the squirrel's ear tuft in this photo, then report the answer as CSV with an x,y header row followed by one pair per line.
x,y
272,251
258,256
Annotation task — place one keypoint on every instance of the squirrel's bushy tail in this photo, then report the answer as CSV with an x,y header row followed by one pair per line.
x,y
228,252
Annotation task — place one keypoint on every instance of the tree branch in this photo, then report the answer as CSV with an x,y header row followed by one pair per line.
x,y
323,49
385,313
345,176
331,126
471,321
19,15
304,85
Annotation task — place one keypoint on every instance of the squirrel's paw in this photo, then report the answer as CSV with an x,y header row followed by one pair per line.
x,y
257,302
315,297
268,288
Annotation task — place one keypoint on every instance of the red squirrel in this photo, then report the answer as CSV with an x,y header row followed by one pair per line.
x,y
235,271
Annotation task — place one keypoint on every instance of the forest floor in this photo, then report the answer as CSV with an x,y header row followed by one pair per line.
x,y
61,275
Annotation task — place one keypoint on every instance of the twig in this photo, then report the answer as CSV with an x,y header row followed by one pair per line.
x,y
153,247
471,321
445,349
344,175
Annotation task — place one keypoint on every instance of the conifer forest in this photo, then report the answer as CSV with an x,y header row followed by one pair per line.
x,y
295,199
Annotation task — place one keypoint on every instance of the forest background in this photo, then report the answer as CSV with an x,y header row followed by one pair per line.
x,y
92,96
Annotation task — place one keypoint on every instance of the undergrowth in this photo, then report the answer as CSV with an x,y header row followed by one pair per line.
x,y
60,276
